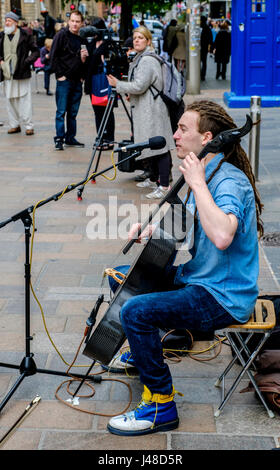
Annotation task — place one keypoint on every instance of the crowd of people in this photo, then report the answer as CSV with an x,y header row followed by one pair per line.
x,y
218,285
58,48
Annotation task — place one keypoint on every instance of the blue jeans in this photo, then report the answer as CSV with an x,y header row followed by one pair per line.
x,y
68,97
189,307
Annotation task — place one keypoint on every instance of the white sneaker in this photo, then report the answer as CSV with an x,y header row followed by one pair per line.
x,y
120,362
158,193
147,184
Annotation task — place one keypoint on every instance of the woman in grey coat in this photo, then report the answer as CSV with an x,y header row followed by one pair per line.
x,y
150,116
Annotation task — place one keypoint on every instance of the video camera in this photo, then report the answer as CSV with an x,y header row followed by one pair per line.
x,y
115,57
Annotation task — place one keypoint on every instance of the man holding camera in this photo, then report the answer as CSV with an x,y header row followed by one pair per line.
x,y
67,60
98,49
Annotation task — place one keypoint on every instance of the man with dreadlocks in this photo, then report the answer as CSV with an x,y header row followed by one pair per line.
x,y
217,287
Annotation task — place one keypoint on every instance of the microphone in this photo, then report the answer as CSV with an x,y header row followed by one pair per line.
x,y
154,143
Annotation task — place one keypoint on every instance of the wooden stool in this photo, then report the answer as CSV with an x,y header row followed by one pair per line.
x,y
261,322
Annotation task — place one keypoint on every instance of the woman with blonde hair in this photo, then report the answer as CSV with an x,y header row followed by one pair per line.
x,y
45,59
149,115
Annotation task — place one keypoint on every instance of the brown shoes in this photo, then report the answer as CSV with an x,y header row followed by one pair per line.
x,y
14,130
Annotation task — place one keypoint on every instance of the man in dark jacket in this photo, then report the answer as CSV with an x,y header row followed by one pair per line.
x,y
49,24
206,41
67,61
18,52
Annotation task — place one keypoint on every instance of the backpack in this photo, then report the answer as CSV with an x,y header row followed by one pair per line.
x,y
174,88
174,85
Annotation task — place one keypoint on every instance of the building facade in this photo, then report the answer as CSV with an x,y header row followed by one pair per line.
x,y
31,9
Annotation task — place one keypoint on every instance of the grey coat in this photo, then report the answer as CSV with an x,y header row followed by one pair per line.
x,y
150,116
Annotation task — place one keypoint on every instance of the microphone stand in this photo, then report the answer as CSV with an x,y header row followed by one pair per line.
x,y
27,366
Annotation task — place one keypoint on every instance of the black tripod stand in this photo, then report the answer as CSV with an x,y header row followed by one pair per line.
x,y
27,366
112,102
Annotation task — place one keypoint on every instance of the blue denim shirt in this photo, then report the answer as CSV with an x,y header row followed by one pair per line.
x,y
229,275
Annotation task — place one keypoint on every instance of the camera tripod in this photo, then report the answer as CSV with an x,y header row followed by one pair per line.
x,y
112,102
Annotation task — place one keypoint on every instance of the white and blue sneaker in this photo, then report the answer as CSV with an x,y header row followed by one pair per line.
x,y
121,362
155,413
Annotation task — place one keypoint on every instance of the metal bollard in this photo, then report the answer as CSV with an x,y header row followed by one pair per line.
x,y
254,139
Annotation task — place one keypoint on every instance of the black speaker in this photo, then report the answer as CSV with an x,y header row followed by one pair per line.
x,y
129,166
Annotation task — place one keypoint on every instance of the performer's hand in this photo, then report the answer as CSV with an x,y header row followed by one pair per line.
x,y
193,170
112,80
147,232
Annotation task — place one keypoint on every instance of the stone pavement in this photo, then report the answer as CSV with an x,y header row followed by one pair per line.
x,y
66,277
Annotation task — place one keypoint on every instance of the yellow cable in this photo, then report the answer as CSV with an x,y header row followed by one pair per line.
x,y
31,256
196,352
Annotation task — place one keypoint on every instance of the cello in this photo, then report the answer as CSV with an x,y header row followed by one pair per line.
x,y
146,274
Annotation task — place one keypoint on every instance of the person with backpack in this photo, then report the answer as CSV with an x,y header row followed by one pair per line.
x,y
149,112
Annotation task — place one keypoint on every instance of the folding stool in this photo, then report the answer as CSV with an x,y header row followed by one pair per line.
x,y
261,322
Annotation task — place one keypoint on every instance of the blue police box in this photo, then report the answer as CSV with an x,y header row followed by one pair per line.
x,y
255,59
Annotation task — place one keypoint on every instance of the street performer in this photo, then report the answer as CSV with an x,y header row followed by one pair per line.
x,y
214,289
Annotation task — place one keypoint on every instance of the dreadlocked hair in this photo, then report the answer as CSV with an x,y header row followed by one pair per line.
x,y
214,118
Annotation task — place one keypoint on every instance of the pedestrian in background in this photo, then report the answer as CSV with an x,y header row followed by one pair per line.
x,y
18,52
179,54
67,60
49,24
169,38
222,50
206,41
45,59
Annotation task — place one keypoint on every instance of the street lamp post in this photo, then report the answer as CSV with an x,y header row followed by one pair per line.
x,y
193,59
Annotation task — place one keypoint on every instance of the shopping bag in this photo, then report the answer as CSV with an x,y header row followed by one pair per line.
x,y
100,90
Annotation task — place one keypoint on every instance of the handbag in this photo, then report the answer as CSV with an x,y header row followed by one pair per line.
x,y
100,90
268,377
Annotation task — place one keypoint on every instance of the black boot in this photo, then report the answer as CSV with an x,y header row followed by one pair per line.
x,y
58,142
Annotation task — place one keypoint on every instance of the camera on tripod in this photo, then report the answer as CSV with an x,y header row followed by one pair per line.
x,y
115,57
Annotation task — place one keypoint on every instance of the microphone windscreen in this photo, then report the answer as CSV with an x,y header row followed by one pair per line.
x,y
157,142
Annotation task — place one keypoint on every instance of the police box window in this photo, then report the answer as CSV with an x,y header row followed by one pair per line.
x,y
258,6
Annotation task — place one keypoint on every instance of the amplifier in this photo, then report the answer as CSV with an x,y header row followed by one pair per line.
x,y
129,166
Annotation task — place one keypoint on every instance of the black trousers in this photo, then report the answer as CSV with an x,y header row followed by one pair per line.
x,y
203,59
221,70
109,131
160,167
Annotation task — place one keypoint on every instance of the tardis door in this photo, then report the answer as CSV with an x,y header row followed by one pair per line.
x,y
259,55
276,50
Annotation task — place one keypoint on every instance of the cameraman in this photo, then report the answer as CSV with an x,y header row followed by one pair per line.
x,y
97,50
